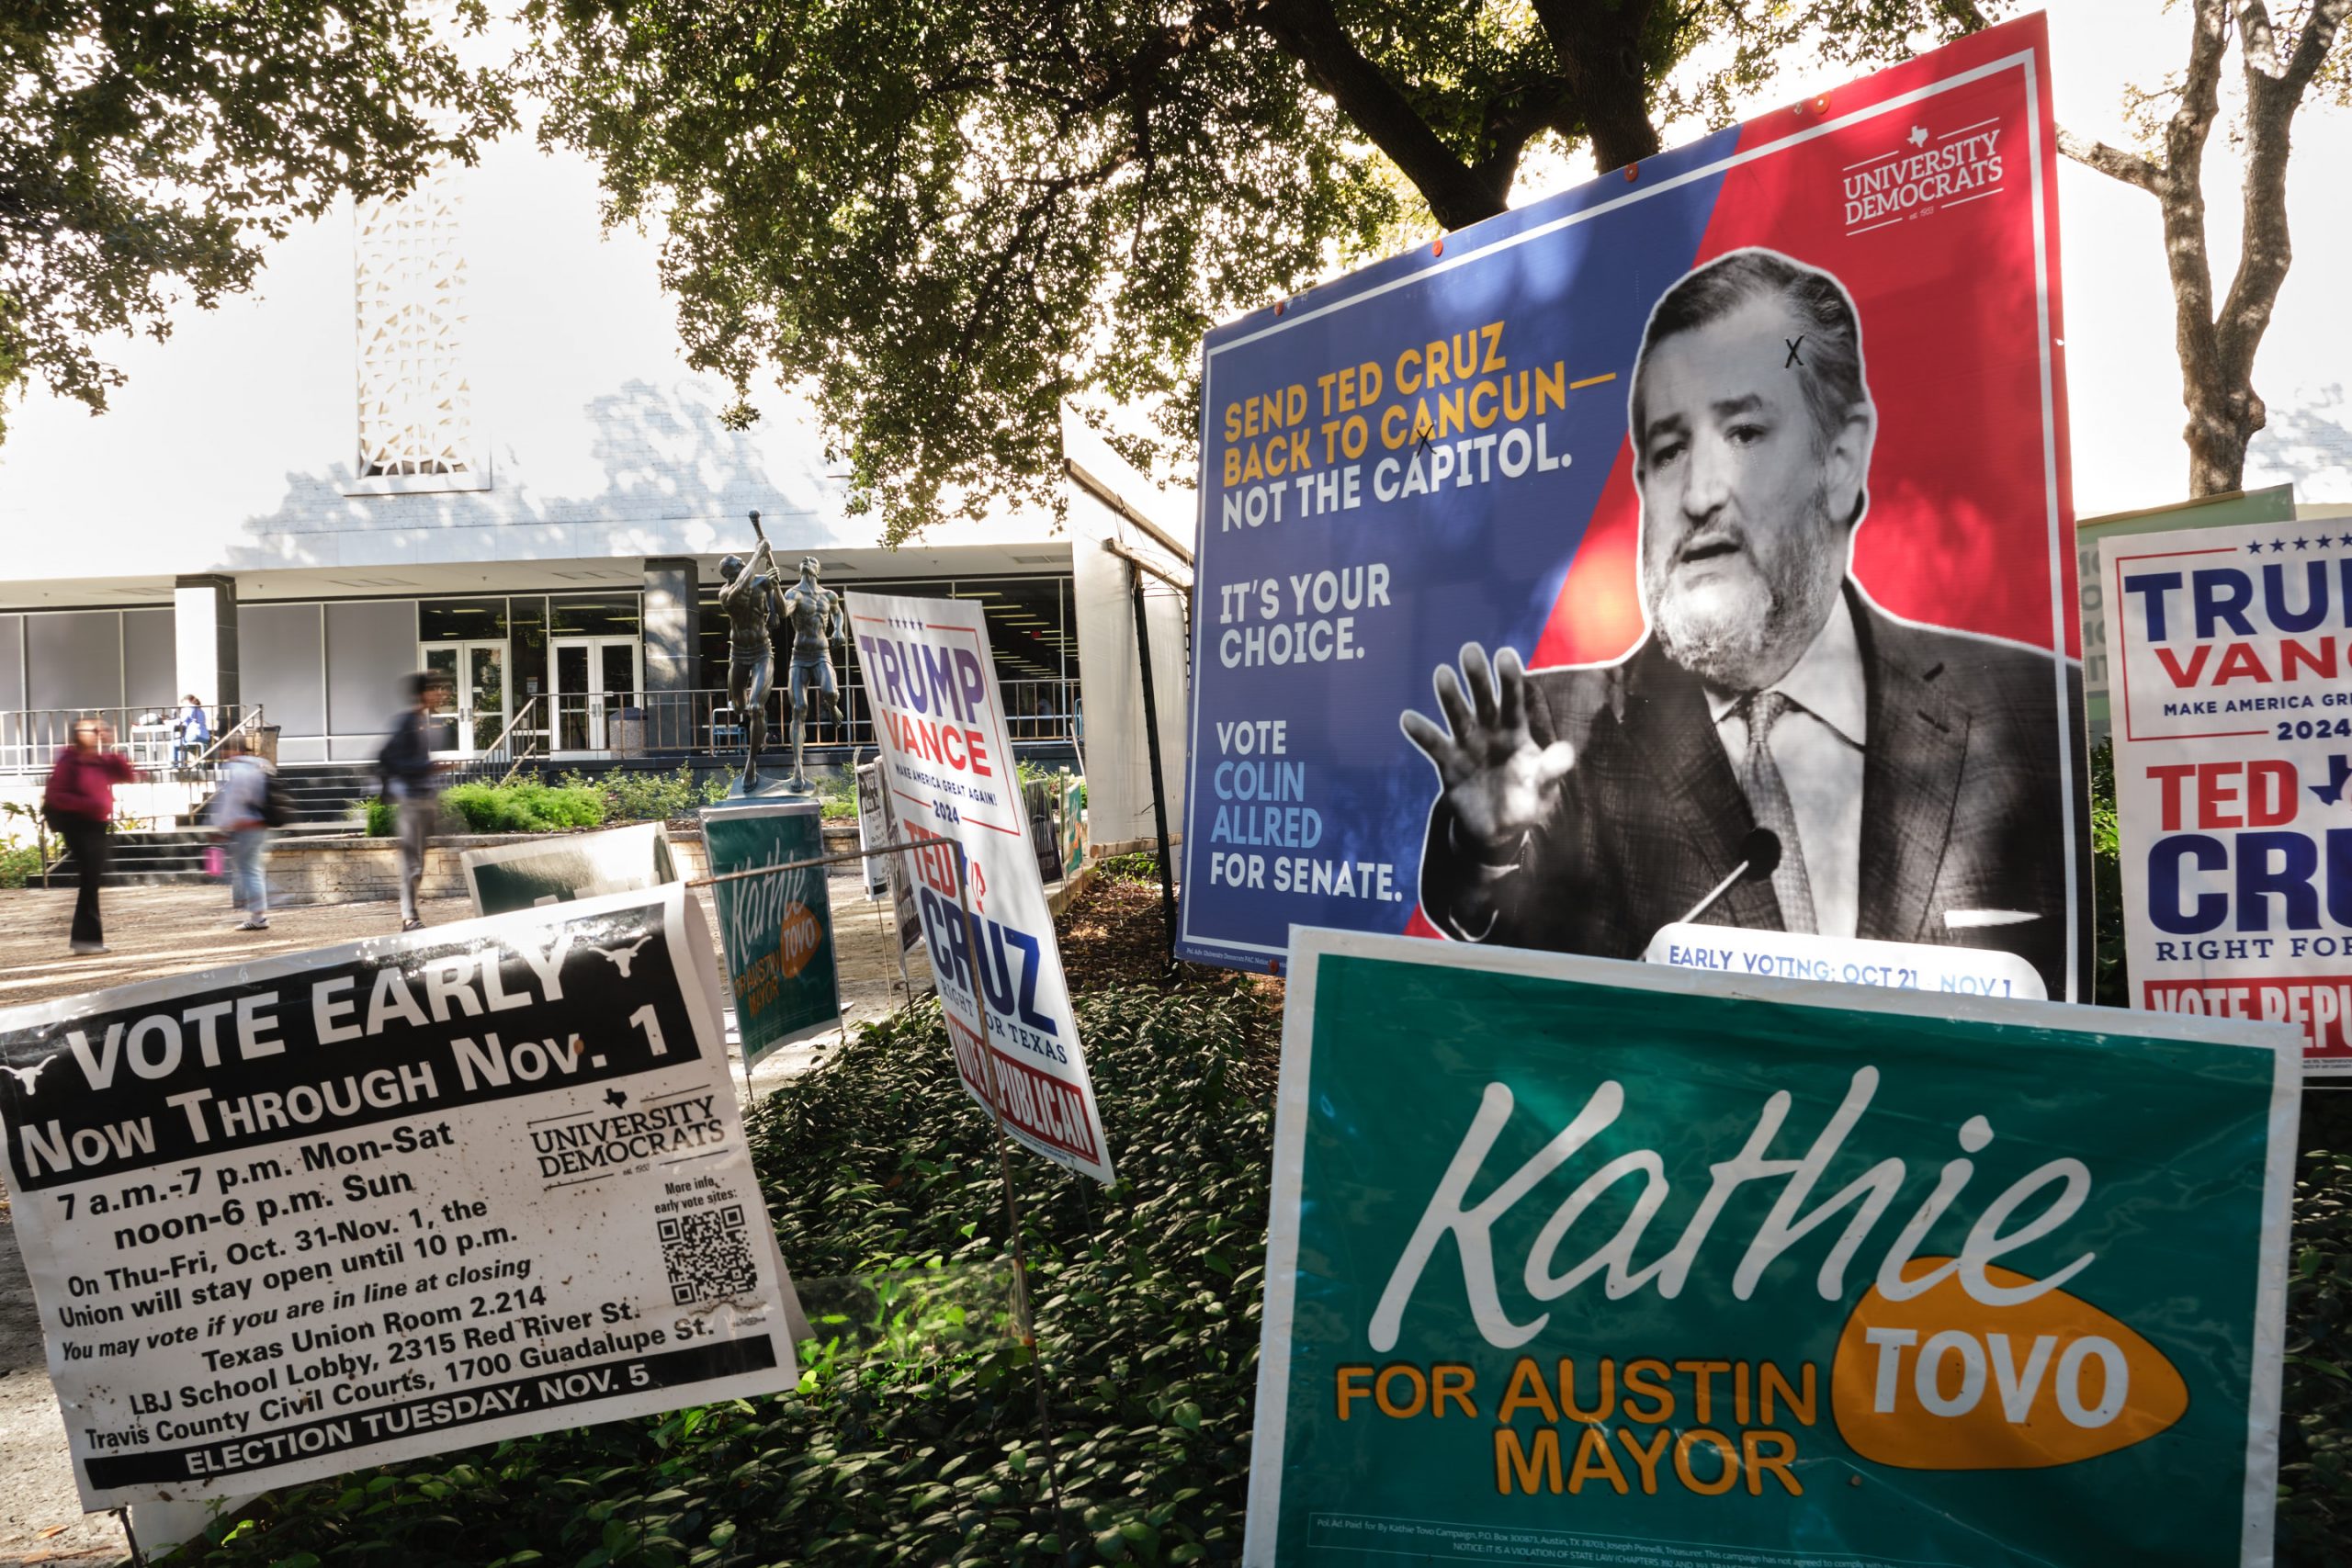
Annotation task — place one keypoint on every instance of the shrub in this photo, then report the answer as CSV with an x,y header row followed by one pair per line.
x,y
2110,985
524,807
384,816
837,798
2315,1425
919,1446
1141,865
631,797
21,864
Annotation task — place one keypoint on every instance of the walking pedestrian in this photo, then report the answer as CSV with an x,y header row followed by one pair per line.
x,y
412,783
240,815
189,732
78,800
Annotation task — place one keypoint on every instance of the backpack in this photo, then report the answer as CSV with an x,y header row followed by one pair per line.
x,y
277,804
404,755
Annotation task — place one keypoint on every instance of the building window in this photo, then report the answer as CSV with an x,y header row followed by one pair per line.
x,y
415,403
594,614
460,620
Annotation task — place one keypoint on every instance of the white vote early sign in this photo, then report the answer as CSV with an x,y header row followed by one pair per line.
x,y
1846,961
948,765
294,1217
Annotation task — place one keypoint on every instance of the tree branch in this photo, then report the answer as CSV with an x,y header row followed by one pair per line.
x,y
2200,89
1513,120
1311,32
1600,48
2257,39
2112,162
2312,45
2182,196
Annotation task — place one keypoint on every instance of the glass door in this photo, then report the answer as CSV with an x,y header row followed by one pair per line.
x,y
482,694
595,679
476,674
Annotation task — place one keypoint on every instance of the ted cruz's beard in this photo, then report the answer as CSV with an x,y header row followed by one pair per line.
x,y
1739,632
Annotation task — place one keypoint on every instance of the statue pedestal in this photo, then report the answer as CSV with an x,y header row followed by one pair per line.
x,y
768,790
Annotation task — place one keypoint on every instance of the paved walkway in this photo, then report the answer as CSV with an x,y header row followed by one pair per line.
x,y
168,931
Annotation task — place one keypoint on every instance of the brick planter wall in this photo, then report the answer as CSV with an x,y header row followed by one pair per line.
x,y
350,870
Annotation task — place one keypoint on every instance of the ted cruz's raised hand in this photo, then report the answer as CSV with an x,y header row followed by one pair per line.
x,y
1499,767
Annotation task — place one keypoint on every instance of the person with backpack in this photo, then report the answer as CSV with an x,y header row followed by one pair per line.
x,y
244,810
412,781
78,801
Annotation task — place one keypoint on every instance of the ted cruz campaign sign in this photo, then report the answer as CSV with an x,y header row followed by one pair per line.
x,y
2231,670
948,765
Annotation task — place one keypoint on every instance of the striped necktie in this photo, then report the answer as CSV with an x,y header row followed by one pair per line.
x,y
1768,797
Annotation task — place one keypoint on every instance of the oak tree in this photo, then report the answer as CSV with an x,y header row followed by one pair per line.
x,y
946,218
150,149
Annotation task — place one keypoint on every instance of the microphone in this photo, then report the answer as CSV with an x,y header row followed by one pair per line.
x,y
1759,857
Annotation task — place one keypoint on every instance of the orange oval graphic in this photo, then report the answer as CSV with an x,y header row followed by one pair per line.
x,y
1945,1382
797,943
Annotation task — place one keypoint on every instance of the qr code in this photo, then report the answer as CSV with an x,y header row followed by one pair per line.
x,y
709,1256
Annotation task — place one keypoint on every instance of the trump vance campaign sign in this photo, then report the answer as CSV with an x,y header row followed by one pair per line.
x,y
1520,553
947,763
1574,1260
2233,724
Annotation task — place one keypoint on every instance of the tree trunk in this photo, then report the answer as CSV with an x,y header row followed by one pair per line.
x,y
2221,426
1599,49
1601,59
1617,116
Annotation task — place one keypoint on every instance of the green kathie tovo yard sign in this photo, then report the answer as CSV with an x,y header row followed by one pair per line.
x,y
1582,1261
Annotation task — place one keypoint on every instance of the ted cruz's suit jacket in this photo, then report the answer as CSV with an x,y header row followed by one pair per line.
x,y
1961,809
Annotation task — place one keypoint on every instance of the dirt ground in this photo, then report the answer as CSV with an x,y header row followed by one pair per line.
x,y
166,930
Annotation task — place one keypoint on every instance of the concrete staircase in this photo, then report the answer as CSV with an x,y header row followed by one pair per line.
x,y
323,795
325,792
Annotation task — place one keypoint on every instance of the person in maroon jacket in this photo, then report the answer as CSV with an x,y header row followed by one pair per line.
x,y
79,801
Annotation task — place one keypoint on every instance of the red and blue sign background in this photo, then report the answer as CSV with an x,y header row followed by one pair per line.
x,y
1957,289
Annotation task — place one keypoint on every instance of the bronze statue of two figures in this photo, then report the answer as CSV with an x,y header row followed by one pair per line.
x,y
759,617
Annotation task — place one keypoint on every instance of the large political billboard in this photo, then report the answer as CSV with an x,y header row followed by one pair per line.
x,y
1542,567
1577,1261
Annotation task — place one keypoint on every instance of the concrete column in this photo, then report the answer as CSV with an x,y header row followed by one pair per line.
x,y
204,624
672,664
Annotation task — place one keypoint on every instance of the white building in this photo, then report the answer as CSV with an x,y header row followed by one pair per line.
x,y
457,431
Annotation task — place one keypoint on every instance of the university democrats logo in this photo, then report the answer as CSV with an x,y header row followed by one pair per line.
x,y
1927,171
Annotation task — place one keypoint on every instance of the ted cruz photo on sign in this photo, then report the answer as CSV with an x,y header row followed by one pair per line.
x,y
1905,771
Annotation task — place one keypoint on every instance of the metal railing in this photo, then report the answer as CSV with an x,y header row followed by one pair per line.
x,y
553,726
706,722
522,740
246,729
31,737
